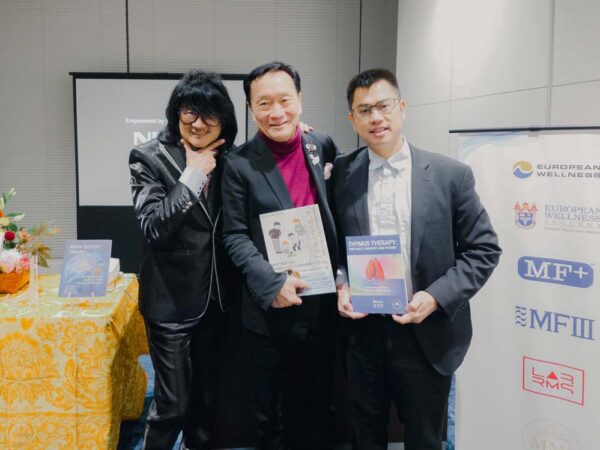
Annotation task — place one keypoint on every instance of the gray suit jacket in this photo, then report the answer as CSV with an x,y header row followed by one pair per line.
x,y
454,248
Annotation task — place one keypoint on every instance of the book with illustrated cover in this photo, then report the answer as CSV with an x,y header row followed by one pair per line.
x,y
376,274
296,244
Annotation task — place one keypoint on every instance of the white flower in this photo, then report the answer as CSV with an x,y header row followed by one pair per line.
x,y
9,260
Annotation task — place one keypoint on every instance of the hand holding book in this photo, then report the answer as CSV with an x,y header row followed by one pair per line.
x,y
345,304
418,309
288,295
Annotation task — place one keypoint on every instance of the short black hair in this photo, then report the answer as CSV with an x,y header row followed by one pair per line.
x,y
270,67
367,78
205,93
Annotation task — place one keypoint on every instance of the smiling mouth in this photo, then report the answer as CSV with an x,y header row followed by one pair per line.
x,y
378,130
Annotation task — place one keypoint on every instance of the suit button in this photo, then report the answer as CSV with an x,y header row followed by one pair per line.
x,y
190,204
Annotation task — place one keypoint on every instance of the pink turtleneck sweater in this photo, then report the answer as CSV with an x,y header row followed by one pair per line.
x,y
290,160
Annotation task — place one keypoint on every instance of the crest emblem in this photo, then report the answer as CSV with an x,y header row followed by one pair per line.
x,y
525,215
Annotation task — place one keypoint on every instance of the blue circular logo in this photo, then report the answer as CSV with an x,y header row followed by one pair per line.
x,y
522,169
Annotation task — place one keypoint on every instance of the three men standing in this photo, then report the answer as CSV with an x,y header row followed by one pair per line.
x,y
450,250
388,187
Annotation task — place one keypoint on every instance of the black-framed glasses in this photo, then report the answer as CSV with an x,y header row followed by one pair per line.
x,y
188,116
384,107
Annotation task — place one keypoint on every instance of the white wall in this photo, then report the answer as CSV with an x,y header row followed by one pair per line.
x,y
41,41
496,63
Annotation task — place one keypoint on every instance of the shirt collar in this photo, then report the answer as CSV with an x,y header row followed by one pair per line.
x,y
397,160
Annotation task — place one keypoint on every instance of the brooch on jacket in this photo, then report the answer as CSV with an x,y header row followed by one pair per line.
x,y
312,153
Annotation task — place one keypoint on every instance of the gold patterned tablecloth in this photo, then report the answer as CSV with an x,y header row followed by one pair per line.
x,y
69,370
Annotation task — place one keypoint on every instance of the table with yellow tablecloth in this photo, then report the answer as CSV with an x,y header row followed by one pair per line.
x,y
69,370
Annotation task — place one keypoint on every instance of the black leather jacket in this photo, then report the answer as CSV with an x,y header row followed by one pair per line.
x,y
183,265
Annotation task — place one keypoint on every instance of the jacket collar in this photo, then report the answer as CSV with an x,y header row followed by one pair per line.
x,y
358,189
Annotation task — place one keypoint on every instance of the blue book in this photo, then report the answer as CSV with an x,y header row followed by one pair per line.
x,y
376,274
85,268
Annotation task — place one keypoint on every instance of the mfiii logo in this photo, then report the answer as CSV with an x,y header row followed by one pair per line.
x,y
555,322
557,271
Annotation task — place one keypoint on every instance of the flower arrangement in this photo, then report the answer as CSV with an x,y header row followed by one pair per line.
x,y
19,245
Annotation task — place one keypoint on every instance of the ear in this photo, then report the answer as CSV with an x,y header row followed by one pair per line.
x,y
403,108
351,119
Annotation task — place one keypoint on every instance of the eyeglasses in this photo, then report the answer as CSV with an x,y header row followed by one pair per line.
x,y
384,107
188,116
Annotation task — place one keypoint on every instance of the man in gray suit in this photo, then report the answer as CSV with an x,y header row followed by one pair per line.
x,y
450,250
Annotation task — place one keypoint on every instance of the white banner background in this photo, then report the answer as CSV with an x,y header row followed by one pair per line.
x,y
530,380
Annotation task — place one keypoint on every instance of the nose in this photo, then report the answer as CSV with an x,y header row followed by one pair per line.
x,y
199,123
276,110
376,115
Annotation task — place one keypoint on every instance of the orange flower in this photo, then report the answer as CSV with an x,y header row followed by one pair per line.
x,y
24,236
1,213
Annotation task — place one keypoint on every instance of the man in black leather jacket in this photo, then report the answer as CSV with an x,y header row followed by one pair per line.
x,y
174,183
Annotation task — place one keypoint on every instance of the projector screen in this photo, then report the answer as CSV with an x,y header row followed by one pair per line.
x,y
114,112
113,115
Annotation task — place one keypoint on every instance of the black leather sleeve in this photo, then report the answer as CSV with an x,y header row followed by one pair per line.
x,y
160,210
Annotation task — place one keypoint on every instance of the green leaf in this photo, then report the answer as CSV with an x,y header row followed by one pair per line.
x,y
42,261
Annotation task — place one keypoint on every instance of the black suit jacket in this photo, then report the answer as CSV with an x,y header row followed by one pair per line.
x,y
183,262
252,185
454,248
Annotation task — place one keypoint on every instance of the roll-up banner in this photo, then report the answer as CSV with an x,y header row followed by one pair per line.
x,y
531,378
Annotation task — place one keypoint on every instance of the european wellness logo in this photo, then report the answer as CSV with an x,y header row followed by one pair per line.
x,y
522,169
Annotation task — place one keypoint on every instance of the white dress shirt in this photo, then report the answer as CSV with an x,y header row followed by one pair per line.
x,y
389,199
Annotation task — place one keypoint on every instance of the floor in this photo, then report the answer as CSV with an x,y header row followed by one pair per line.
x,y
132,431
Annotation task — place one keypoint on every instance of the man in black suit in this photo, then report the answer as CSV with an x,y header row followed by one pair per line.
x,y
449,250
184,272
291,341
